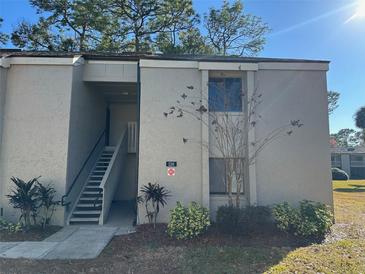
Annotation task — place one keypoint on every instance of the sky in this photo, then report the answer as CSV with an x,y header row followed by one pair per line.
x,y
306,29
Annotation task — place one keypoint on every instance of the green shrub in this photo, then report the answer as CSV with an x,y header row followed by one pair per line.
x,y
339,174
311,220
286,217
242,221
188,222
10,227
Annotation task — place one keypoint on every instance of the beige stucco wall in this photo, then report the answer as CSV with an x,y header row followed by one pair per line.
x,y
127,188
35,130
120,115
296,167
3,76
87,122
51,121
291,168
161,138
3,80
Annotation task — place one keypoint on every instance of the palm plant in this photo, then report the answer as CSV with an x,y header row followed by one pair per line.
x,y
24,197
47,203
153,197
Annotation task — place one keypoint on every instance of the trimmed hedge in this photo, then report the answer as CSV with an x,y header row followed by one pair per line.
x,y
242,221
310,221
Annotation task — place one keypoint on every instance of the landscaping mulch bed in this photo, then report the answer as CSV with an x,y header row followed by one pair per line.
x,y
269,236
33,234
150,250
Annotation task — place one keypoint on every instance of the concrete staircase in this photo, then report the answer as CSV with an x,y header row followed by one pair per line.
x,y
88,207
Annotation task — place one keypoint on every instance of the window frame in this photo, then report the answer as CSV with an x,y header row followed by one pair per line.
x,y
233,108
243,190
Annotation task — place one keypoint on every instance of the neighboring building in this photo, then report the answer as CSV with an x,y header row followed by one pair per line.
x,y
93,126
351,160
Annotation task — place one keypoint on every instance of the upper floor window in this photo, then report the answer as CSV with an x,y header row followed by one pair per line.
x,y
225,94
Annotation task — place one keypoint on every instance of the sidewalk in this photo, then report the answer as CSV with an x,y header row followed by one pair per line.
x,y
71,242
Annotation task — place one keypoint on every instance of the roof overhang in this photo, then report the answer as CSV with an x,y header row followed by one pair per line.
x,y
156,61
50,61
232,66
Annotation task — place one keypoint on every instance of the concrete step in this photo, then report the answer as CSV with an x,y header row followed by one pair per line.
x,y
89,199
106,163
92,192
86,212
96,178
89,206
92,188
93,184
84,220
98,172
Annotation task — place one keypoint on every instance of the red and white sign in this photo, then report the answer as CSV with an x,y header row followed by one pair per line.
x,y
171,171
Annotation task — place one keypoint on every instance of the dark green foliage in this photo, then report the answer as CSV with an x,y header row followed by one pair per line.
x,y
333,97
153,197
242,221
3,36
24,197
47,203
310,221
233,32
339,174
360,122
64,25
347,137
360,118
170,26
188,222
34,200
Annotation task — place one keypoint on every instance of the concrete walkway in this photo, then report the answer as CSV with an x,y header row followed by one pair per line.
x,y
71,242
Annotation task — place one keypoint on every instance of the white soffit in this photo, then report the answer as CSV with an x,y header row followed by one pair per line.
x,y
293,66
111,62
50,61
228,66
144,63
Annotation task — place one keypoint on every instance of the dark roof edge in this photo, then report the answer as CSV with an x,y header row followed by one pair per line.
x,y
138,56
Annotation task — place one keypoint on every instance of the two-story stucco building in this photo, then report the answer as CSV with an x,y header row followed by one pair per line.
x,y
93,126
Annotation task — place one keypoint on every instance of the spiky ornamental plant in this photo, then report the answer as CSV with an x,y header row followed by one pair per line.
x,y
153,197
24,198
47,203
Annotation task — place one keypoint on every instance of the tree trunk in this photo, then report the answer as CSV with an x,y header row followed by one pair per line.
x,y
136,43
238,193
230,196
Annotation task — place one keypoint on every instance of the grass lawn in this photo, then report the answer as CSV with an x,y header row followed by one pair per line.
x,y
349,197
345,250
151,251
